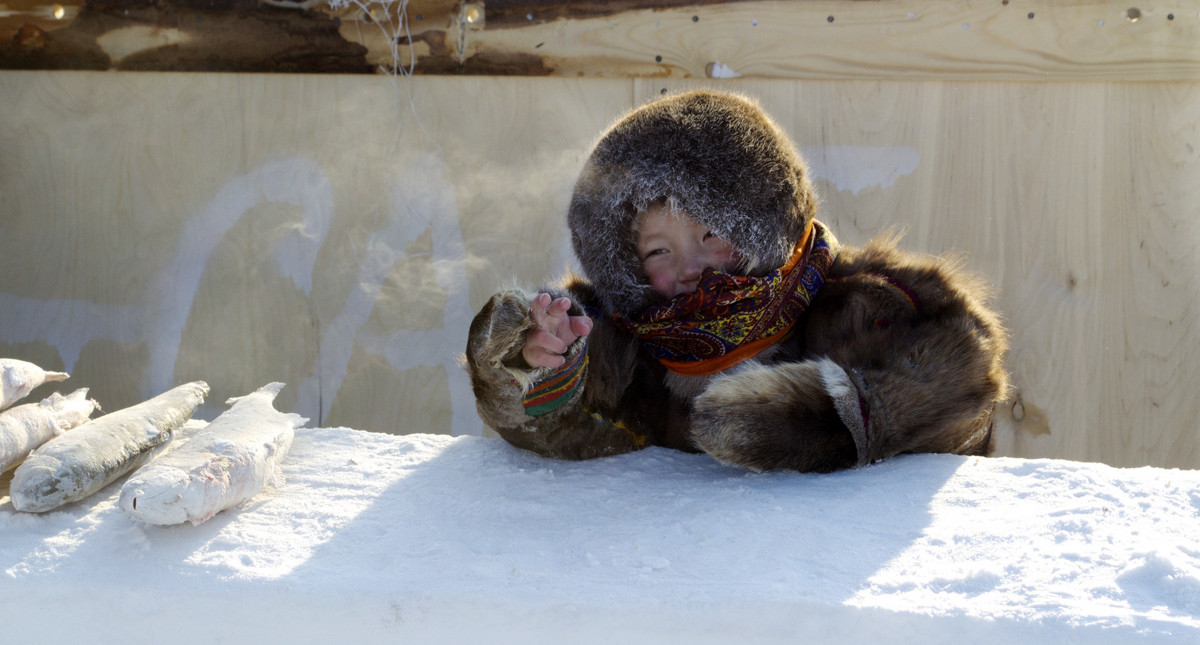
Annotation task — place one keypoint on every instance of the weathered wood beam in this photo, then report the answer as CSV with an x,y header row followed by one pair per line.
x,y
1059,40
173,35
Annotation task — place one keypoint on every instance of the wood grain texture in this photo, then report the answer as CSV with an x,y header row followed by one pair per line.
x,y
337,232
1030,40
1151,157
812,39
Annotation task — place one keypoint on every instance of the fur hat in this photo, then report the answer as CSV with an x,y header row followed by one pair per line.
x,y
718,157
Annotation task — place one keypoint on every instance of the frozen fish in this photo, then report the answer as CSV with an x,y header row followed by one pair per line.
x,y
18,378
28,426
223,465
78,463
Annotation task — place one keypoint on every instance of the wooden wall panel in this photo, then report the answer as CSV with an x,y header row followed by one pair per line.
x,y
1152,278
338,233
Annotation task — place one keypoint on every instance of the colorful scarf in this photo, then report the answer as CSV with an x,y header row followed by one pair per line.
x,y
730,318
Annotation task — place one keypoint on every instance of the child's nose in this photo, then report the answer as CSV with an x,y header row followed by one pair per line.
x,y
690,274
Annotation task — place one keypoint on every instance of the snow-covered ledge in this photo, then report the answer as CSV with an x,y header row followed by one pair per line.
x,y
379,538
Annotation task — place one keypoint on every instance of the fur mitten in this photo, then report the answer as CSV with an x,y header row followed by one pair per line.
x,y
773,417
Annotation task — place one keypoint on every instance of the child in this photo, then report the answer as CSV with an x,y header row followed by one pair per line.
x,y
718,314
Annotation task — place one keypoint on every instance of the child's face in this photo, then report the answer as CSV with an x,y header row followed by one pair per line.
x,y
675,249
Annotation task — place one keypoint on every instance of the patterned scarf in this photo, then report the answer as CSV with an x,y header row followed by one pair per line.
x,y
730,318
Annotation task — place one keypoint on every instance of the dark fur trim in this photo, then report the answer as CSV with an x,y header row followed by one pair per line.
x,y
773,417
717,156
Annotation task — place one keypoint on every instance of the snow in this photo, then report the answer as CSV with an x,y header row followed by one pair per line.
x,y
431,538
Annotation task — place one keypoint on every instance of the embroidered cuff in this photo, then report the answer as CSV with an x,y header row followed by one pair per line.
x,y
553,392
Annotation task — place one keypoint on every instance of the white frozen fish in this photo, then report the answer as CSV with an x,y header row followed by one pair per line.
x,y
223,465
78,463
28,426
18,378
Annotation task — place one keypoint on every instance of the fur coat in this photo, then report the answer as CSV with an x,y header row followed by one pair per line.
x,y
895,353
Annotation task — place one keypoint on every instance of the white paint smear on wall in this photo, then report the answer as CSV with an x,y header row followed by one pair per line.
x,y
67,325
856,168
422,199
294,181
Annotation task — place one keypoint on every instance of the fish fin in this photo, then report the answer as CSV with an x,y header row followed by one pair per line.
x,y
271,389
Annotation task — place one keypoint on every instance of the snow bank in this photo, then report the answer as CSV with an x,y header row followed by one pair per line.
x,y
377,538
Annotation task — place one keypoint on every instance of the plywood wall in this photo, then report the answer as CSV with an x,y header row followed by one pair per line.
x,y
338,233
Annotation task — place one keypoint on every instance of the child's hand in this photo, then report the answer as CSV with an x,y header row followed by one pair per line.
x,y
555,331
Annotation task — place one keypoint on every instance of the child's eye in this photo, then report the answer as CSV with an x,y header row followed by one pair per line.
x,y
708,235
653,253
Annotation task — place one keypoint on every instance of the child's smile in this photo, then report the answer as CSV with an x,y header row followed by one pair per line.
x,y
675,249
